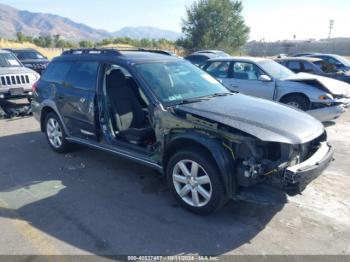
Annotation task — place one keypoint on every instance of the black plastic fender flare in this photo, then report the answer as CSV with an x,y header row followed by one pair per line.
x,y
221,155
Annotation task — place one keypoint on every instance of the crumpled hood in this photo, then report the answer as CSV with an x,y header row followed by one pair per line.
x,y
266,120
334,86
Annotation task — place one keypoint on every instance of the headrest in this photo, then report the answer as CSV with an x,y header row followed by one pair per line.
x,y
116,79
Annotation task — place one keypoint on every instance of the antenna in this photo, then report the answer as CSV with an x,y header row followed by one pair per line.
x,y
331,25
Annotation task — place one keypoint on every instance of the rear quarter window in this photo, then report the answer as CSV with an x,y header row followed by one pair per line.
x,y
56,72
83,75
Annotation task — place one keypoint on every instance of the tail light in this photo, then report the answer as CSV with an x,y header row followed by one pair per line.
x,y
34,86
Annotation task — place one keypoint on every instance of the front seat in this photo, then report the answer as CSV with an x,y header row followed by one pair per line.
x,y
127,113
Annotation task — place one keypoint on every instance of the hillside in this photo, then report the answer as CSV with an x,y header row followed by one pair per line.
x,y
13,20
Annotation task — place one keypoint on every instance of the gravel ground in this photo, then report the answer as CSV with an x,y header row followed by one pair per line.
x,y
90,202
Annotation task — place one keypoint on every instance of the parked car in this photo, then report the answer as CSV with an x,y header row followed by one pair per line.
x,y
340,62
16,81
304,54
200,57
314,66
168,114
31,58
322,97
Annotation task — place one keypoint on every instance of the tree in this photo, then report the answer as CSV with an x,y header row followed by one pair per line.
x,y
86,44
20,37
214,24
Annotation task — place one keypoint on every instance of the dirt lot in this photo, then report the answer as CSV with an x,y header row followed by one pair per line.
x,y
90,202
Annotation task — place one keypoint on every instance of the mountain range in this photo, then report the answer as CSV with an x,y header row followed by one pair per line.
x,y
13,20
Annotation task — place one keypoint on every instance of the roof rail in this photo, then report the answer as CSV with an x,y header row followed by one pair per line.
x,y
92,51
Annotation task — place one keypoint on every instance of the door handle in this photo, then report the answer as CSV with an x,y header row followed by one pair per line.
x,y
234,86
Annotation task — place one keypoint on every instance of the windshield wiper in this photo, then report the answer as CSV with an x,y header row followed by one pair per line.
x,y
191,100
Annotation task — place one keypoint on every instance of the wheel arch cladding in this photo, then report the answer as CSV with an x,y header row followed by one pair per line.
x,y
214,148
44,112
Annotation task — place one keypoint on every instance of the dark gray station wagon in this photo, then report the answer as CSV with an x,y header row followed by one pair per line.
x,y
168,114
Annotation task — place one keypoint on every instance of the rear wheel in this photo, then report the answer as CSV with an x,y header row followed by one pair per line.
x,y
55,133
195,182
297,101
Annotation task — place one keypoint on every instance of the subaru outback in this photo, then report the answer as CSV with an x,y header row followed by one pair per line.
x,y
170,115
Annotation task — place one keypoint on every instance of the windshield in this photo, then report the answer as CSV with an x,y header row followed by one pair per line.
x,y
343,60
173,82
8,60
274,69
28,55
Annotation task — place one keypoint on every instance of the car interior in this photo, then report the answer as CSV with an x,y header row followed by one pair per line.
x,y
127,108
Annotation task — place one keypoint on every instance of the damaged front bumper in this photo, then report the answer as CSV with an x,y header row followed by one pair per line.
x,y
328,113
296,178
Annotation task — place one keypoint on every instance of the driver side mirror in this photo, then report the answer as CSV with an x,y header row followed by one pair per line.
x,y
265,78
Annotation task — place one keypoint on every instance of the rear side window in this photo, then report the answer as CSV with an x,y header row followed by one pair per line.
x,y
308,67
294,66
197,59
83,75
56,72
219,69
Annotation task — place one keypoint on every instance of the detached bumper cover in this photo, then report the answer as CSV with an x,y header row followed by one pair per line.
x,y
327,113
297,177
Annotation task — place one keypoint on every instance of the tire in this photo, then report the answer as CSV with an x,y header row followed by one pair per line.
x,y
55,134
208,178
297,101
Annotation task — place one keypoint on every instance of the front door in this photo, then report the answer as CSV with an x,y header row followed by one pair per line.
x,y
246,79
76,99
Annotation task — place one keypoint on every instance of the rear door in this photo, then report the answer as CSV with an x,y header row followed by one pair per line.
x,y
76,99
245,79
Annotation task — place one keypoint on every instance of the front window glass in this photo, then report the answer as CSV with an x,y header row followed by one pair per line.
x,y
8,60
325,67
274,69
28,55
174,82
246,71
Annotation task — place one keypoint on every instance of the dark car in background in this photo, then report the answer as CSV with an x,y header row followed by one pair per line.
x,y
304,54
340,62
200,57
315,66
31,58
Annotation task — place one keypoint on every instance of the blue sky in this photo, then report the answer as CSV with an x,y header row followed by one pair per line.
x,y
268,19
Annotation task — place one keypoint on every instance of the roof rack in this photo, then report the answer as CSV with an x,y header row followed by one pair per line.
x,y
110,51
92,51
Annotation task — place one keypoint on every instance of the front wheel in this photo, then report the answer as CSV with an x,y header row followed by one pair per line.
x,y
55,133
195,182
297,101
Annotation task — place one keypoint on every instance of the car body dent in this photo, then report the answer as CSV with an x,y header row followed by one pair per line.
x,y
333,86
268,121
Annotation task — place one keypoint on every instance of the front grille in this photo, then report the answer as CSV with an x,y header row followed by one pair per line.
x,y
11,80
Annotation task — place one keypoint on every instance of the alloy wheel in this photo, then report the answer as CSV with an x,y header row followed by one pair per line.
x,y
54,133
192,183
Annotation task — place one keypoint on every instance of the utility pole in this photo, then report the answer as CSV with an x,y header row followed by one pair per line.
x,y
331,25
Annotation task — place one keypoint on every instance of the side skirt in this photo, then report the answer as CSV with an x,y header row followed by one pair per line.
x,y
119,152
